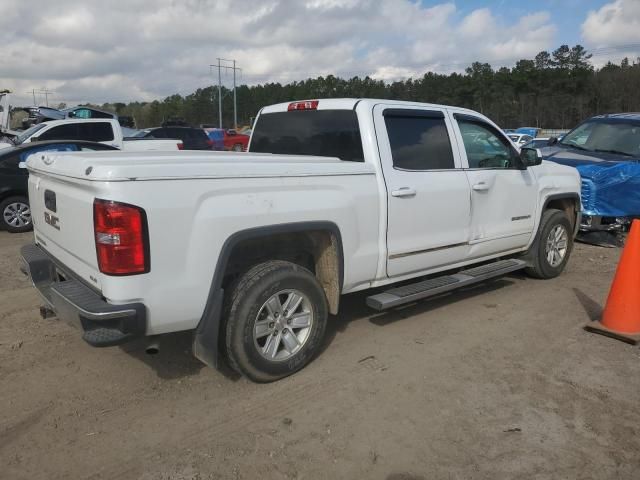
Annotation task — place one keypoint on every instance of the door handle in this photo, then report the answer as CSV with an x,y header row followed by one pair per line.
x,y
403,192
481,187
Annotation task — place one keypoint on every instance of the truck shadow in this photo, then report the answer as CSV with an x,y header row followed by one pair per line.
x,y
174,358
353,306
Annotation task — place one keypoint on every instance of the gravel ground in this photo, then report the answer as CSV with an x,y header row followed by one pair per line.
x,y
498,381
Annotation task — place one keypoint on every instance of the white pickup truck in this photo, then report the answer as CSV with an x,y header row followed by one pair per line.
x,y
253,251
103,130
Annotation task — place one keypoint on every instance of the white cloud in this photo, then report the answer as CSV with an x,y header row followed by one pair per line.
x,y
143,49
616,23
613,32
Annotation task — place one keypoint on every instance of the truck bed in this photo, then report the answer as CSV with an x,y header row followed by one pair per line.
x,y
192,200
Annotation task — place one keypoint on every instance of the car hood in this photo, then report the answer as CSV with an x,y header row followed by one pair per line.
x,y
610,182
573,157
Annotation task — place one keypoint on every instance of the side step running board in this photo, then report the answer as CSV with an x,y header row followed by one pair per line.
x,y
434,286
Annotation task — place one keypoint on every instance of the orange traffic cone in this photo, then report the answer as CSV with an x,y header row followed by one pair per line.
x,y
621,317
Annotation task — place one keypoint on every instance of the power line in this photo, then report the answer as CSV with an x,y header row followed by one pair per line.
x,y
221,66
43,91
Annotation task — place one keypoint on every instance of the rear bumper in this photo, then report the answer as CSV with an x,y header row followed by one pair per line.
x,y
102,323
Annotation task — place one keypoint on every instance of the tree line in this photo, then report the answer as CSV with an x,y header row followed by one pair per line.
x,y
552,90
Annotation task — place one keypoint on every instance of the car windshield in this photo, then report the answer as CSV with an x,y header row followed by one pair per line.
x,y
27,133
606,135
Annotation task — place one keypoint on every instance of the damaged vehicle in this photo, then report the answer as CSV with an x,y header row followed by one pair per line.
x,y
606,152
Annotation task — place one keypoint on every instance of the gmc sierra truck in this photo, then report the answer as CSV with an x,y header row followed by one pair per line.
x,y
253,251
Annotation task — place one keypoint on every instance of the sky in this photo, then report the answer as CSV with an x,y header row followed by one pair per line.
x,y
127,50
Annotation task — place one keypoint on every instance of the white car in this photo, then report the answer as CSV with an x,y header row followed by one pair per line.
x,y
253,251
102,130
520,138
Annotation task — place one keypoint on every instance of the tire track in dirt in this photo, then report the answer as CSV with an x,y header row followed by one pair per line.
x,y
251,412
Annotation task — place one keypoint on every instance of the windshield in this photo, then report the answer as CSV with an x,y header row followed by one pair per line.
x,y
326,133
27,133
606,135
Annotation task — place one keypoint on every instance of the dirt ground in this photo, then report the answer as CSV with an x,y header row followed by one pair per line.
x,y
498,381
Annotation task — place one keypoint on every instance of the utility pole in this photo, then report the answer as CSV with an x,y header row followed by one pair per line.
x,y
220,66
46,92
235,110
219,95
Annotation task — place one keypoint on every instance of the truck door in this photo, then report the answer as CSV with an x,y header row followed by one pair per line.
x,y
427,189
503,197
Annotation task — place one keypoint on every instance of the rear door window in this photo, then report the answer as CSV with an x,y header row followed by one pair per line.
x,y
96,132
327,133
419,140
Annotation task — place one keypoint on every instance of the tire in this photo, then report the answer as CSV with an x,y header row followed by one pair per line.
x,y
237,147
15,214
259,338
541,264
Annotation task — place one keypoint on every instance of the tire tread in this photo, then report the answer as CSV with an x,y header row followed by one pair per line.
x,y
238,289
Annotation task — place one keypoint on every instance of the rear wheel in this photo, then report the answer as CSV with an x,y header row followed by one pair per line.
x,y
551,250
237,147
15,214
275,320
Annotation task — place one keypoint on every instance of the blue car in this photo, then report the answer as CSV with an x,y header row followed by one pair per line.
x,y
606,151
216,135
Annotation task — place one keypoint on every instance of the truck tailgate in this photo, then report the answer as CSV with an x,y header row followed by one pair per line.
x,y
62,212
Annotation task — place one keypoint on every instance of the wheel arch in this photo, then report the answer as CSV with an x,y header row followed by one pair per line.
x,y
328,269
567,202
12,192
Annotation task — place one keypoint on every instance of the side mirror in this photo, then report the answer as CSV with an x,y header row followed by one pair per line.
x,y
530,157
552,141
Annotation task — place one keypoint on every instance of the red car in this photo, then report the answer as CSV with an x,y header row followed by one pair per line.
x,y
235,141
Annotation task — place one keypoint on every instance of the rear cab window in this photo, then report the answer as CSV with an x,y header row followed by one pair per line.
x,y
326,133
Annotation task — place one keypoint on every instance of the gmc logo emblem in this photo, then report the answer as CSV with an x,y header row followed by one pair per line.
x,y
52,220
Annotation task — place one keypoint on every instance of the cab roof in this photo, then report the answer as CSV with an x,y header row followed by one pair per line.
x,y
351,103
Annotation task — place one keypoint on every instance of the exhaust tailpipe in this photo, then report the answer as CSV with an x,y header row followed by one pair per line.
x,y
152,349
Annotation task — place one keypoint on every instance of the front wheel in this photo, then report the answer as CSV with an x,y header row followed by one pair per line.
x,y
15,214
551,250
237,147
276,316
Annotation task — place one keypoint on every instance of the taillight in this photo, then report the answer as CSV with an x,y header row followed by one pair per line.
x,y
180,146
210,143
122,239
306,105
